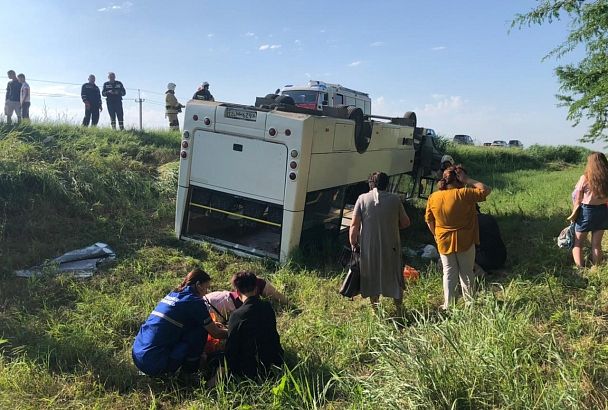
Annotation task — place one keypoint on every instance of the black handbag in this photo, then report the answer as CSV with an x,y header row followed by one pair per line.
x,y
351,286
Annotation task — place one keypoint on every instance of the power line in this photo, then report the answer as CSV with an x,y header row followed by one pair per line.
x,y
79,85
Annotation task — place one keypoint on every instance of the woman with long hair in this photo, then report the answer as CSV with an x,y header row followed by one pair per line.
x,y
451,216
590,196
175,333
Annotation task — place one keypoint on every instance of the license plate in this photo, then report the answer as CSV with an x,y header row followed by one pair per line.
x,y
239,114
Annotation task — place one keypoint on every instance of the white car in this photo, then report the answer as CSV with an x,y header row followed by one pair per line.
x,y
500,143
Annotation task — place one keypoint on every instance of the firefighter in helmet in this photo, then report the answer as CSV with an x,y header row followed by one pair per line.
x,y
202,93
172,107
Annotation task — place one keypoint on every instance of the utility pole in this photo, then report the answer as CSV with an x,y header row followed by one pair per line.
x,y
140,101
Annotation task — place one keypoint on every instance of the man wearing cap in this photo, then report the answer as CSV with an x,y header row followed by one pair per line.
x,y
114,91
203,93
91,97
172,107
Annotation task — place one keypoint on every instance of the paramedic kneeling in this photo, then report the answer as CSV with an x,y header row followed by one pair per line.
x,y
174,334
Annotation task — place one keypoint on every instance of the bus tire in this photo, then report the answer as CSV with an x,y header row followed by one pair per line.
x,y
410,118
365,137
361,141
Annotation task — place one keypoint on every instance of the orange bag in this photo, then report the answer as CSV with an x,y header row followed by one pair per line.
x,y
410,274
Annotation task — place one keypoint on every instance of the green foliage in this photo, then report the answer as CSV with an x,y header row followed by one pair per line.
x,y
100,183
535,338
584,84
489,160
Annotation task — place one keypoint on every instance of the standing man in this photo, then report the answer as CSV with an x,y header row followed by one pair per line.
x,y
92,102
24,98
172,107
12,102
114,91
202,93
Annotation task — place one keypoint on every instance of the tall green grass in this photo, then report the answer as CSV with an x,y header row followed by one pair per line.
x,y
535,338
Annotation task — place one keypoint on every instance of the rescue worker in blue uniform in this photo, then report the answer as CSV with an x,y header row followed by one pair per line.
x,y
91,97
114,91
175,333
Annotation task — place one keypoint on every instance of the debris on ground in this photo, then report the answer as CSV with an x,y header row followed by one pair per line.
x,y
80,263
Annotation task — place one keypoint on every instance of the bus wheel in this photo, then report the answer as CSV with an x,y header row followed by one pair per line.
x,y
356,114
410,118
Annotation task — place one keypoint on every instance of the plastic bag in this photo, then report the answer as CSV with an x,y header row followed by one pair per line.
x,y
410,274
565,240
351,286
429,252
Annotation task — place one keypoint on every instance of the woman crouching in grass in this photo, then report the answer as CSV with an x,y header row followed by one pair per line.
x,y
174,334
591,195
451,215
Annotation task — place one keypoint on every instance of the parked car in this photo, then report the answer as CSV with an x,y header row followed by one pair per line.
x,y
500,143
487,144
463,139
515,144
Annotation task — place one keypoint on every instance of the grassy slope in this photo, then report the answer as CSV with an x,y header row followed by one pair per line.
x,y
536,338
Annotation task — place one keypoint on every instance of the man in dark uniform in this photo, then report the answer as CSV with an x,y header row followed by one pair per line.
x,y
92,102
203,93
253,344
114,91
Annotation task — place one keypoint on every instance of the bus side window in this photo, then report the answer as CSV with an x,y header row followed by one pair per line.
x,y
338,100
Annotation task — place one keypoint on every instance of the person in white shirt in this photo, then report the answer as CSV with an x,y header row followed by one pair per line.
x,y
24,98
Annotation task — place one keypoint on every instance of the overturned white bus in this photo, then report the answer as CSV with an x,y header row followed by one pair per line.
x,y
260,180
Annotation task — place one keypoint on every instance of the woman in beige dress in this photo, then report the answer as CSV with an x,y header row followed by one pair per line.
x,y
377,218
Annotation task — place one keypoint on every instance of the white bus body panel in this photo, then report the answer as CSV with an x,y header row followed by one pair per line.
x,y
248,167
239,156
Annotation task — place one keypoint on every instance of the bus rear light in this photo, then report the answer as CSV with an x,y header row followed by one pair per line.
x,y
186,134
184,154
207,121
195,117
294,153
292,176
288,132
272,132
293,165
184,144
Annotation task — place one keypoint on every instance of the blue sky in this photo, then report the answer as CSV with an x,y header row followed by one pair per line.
x,y
452,62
